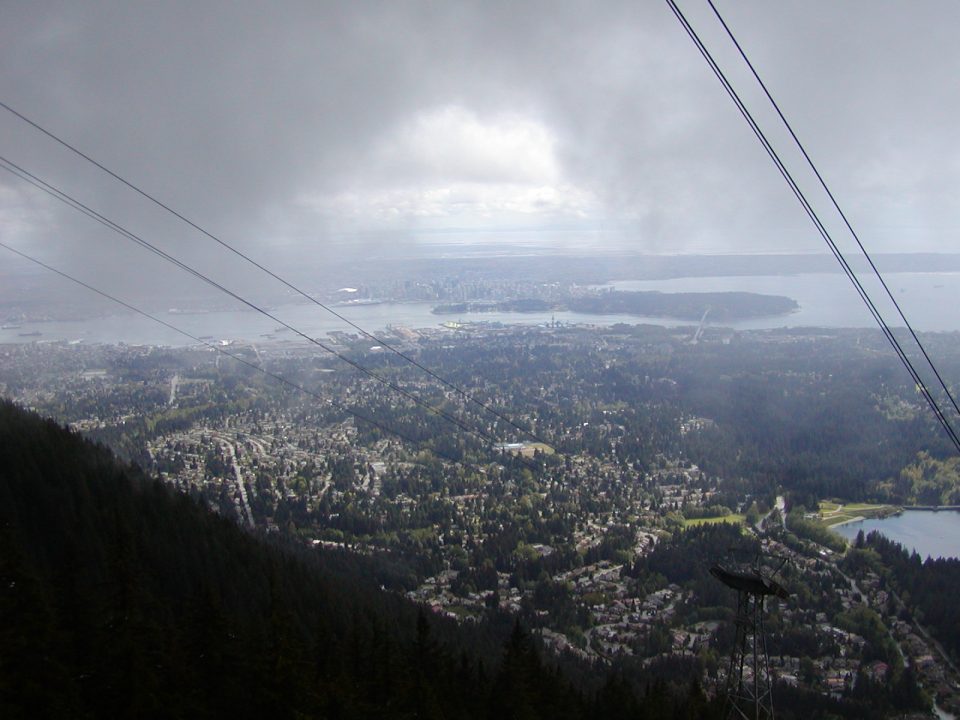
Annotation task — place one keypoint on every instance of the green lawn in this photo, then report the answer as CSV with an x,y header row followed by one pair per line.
x,y
735,518
833,513
866,507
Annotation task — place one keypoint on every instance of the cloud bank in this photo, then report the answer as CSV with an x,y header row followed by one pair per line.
x,y
294,127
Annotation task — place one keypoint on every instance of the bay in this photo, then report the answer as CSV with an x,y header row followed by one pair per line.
x,y
826,300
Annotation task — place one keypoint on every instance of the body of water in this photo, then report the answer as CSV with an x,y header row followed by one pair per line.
x,y
931,533
826,300
250,326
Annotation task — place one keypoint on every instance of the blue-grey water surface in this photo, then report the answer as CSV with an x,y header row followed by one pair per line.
x,y
931,533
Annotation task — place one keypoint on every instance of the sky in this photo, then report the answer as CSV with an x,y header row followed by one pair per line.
x,y
306,131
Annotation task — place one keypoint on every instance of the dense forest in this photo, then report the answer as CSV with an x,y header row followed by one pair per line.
x,y
928,586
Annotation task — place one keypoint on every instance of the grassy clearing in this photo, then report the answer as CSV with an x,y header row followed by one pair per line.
x,y
735,518
528,450
866,507
833,513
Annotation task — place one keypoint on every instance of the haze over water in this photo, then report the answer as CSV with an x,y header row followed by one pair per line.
x,y
826,300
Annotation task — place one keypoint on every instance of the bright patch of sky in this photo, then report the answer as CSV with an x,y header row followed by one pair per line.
x,y
449,165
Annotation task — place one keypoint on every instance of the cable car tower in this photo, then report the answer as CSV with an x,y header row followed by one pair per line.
x,y
749,687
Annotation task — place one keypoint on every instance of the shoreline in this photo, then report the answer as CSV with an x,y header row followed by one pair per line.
x,y
933,508
859,518
876,512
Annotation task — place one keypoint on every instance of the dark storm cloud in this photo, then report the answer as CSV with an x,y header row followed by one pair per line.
x,y
263,121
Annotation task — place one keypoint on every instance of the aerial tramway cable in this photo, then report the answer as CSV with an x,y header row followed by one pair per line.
x,y
380,341
821,229
836,205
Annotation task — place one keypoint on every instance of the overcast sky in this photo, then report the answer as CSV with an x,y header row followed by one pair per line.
x,y
294,128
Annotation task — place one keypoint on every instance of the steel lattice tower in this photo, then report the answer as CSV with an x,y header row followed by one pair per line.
x,y
749,687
